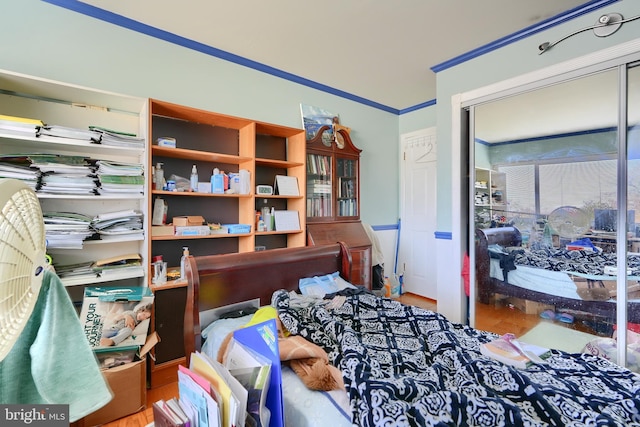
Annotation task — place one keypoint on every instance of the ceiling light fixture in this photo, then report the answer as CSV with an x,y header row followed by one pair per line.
x,y
604,27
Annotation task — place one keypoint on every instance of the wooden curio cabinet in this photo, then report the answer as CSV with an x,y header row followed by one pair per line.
x,y
333,199
333,177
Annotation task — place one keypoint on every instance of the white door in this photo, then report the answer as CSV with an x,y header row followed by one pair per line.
x,y
416,249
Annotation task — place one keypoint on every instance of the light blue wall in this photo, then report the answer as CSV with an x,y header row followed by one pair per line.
x,y
48,41
419,119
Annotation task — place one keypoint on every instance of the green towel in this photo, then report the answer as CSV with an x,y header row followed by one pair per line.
x,y
52,363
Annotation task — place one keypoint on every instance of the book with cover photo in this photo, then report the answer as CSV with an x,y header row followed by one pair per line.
x,y
116,318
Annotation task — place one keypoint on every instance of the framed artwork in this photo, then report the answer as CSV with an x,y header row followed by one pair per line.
x,y
313,118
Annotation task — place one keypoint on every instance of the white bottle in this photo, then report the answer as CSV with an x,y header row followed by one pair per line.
x,y
193,183
159,177
183,261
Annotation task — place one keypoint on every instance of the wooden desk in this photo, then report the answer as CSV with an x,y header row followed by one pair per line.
x,y
355,237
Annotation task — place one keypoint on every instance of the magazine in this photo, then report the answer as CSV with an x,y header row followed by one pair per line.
x,y
503,351
116,318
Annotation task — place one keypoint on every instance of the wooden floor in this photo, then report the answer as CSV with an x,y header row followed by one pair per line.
x,y
496,318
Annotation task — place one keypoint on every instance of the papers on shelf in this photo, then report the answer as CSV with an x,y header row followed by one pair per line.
x,y
113,225
19,125
66,230
286,185
117,138
106,167
68,132
120,178
287,220
26,174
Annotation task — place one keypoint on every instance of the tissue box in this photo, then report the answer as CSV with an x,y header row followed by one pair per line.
x,y
192,230
166,142
238,228
187,221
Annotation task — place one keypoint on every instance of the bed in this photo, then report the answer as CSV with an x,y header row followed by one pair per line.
x,y
521,275
405,365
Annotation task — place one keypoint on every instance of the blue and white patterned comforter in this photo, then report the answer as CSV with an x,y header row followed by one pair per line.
x,y
407,366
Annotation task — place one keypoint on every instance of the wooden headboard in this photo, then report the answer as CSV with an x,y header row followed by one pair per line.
x,y
219,280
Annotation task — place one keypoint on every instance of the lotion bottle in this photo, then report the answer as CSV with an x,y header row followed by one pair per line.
x,y
193,182
183,261
217,182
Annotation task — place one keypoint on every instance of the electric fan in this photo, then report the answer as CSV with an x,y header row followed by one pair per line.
x,y
568,222
22,259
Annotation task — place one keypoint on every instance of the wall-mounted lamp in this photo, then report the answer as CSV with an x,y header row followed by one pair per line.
x,y
606,25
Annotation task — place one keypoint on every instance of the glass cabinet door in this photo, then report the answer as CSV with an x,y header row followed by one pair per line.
x,y
319,186
347,187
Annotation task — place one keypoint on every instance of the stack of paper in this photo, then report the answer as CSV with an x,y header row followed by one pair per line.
x,y
119,177
19,125
26,174
68,132
66,230
119,225
79,271
117,138
120,265
62,174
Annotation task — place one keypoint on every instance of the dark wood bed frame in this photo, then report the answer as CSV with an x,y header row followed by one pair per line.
x,y
488,286
219,280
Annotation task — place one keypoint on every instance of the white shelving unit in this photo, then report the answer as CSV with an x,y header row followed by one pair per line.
x,y
56,103
490,195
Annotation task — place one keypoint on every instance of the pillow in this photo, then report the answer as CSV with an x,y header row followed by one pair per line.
x,y
322,285
214,334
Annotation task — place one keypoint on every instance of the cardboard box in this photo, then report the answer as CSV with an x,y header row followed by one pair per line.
x,y
128,384
163,230
188,220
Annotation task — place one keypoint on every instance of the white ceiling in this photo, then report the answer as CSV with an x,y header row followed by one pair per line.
x,y
380,51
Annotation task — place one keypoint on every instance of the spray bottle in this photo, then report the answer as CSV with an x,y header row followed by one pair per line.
x,y
193,182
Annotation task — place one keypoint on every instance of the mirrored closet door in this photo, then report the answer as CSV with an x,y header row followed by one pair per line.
x,y
555,213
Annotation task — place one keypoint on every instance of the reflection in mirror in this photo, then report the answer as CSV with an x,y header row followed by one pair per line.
x,y
545,192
